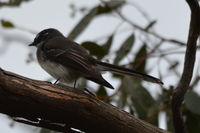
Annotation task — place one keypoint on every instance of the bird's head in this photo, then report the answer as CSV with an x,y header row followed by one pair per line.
x,y
45,35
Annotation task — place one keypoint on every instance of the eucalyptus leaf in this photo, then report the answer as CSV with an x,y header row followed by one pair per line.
x,y
94,49
85,21
140,97
44,130
169,121
140,59
102,94
192,102
7,24
124,49
115,3
12,3
102,91
108,44
192,122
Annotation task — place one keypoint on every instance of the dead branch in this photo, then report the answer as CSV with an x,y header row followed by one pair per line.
x,y
51,106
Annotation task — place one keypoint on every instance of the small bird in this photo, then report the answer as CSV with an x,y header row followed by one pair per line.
x,y
67,61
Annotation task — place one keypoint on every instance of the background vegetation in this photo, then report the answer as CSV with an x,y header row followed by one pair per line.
x,y
134,46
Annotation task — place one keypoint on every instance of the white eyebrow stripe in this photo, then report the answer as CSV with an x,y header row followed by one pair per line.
x,y
46,33
37,36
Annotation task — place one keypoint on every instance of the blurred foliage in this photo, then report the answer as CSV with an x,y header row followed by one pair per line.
x,y
94,12
192,122
140,99
192,100
7,24
139,62
43,130
12,3
131,94
94,49
124,49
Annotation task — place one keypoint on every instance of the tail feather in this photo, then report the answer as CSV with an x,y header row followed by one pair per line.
x,y
100,80
121,70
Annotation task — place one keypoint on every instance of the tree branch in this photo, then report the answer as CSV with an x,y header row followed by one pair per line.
x,y
144,30
43,124
186,77
36,100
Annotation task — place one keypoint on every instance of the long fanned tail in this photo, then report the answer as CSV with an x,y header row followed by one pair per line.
x,y
121,70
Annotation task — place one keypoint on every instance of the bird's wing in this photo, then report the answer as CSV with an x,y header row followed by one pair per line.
x,y
70,59
68,53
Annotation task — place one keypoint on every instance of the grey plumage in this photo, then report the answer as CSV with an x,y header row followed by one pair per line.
x,y
67,61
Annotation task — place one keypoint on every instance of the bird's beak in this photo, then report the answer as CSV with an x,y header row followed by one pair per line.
x,y
32,44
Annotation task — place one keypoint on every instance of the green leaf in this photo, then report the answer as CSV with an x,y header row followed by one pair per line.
x,y
140,59
122,103
192,122
192,101
110,6
115,3
94,49
7,24
44,130
102,91
102,94
12,3
124,49
108,44
85,21
169,121
140,97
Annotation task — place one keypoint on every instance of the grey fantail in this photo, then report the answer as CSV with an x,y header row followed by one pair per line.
x,y
68,61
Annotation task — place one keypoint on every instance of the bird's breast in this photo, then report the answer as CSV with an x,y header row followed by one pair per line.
x,y
56,70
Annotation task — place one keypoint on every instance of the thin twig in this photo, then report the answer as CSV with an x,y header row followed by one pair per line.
x,y
144,29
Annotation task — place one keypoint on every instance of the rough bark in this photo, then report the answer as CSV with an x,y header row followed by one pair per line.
x,y
59,108
180,91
